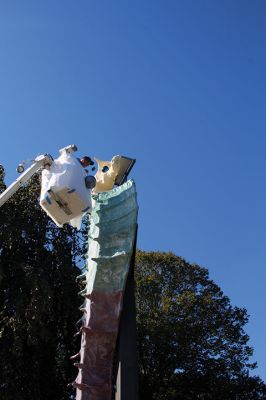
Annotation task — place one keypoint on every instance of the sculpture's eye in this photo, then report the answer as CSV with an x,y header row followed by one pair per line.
x,y
105,168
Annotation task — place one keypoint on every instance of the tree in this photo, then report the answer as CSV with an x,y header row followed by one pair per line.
x,y
38,299
192,343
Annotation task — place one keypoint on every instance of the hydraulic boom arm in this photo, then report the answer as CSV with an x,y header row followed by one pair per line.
x,y
45,160
39,162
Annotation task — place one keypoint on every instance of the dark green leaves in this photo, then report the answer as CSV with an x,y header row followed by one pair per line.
x,y
38,299
192,341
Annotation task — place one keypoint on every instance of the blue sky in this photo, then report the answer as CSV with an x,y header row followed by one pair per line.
x,y
179,85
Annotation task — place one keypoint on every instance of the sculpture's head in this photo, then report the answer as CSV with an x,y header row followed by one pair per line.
x,y
106,174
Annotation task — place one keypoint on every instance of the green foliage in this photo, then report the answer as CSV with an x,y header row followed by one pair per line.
x,y
192,342
38,299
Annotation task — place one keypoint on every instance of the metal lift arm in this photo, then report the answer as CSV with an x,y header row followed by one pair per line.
x,y
39,162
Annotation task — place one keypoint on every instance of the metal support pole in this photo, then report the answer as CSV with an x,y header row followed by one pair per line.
x,y
127,387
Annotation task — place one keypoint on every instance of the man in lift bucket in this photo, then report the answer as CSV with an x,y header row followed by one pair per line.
x,y
90,181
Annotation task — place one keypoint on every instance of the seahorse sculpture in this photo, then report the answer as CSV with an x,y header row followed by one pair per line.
x,y
111,241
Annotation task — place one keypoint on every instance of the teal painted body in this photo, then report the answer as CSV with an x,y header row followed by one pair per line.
x,y
112,234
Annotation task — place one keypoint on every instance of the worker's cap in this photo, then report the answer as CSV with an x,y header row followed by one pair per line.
x,y
86,160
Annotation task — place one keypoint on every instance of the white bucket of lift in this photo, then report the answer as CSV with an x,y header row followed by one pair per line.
x,y
64,196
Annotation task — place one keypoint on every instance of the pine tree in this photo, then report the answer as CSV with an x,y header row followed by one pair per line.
x,y
38,299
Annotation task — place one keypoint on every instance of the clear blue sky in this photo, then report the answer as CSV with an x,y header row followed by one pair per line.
x,y
180,85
